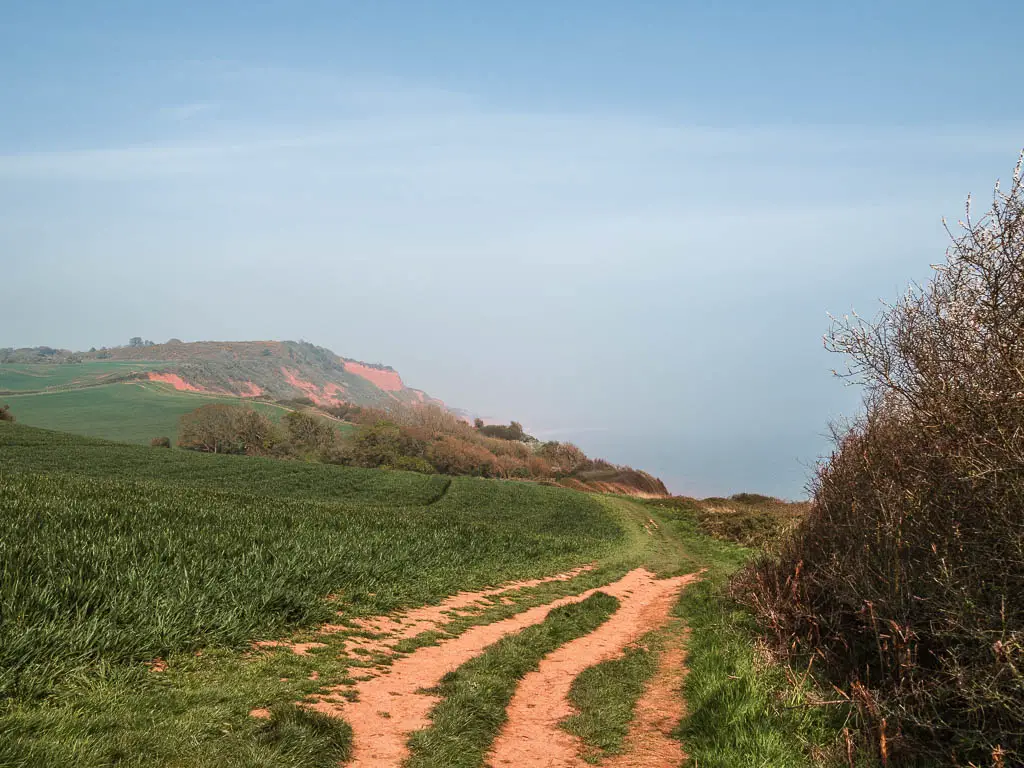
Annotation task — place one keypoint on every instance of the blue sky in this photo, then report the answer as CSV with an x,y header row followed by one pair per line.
x,y
619,223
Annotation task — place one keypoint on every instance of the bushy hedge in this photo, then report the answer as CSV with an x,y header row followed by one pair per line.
x,y
906,581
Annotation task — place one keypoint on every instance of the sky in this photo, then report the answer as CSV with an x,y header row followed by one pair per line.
x,y
621,224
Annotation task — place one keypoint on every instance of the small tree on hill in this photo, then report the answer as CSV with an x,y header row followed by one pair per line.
x,y
5,413
307,433
218,428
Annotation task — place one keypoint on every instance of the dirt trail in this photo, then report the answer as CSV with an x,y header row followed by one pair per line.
x,y
531,738
391,706
407,625
402,626
649,743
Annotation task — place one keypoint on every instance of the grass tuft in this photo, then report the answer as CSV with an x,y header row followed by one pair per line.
x,y
311,738
605,696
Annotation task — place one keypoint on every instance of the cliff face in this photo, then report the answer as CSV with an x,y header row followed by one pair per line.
x,y
276,369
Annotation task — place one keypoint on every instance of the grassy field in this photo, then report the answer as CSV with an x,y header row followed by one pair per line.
x,y
128,412
31,378
101,572
107,569
27,449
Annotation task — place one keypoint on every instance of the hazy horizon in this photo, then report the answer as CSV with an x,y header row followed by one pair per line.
x,y
619,225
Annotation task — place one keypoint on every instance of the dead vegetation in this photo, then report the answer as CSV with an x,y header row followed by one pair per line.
x,y
749,519
904,583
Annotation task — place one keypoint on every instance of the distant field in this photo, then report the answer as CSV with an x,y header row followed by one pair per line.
x,y
29,378
133,412
27,449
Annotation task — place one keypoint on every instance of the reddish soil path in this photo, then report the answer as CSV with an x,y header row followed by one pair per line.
x,y
532,738
390,706
407,625
649,743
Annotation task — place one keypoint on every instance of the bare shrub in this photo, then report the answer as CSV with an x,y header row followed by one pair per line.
x,y
308,434
218,428
5,413
452,456
906,581
565,458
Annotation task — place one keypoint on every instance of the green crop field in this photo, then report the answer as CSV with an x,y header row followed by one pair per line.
x,y
133,412
105,569
34,377
27,449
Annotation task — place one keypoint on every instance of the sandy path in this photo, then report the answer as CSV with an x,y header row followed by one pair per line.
x,y
531,738
649,743
390,706
407,625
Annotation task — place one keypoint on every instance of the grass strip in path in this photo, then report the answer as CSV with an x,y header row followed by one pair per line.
x,y
385,709
472,710
532,737
650,742
605,697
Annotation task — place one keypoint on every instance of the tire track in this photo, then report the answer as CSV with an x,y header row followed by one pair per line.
x,y
392,705
532,737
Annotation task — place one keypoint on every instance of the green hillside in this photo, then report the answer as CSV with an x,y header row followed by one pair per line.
x,y
136,393
273,370
133,412
39,376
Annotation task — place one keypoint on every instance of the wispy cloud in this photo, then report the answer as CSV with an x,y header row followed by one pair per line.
x,y
185,112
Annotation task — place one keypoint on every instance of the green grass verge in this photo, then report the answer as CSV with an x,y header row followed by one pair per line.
x,y
742,711
474,697
605,697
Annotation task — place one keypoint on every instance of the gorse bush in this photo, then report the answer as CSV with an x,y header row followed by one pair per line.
x,y
906,580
